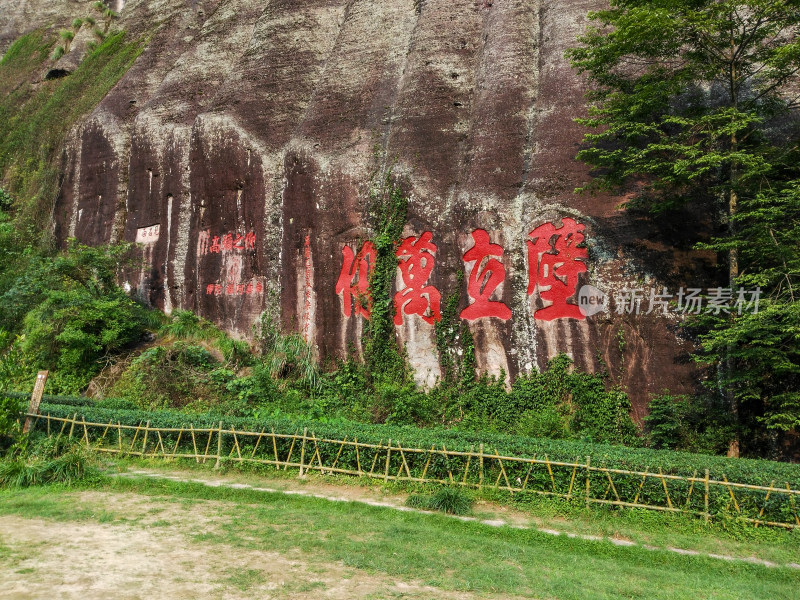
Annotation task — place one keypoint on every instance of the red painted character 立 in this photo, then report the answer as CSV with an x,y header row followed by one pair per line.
x,y
484,279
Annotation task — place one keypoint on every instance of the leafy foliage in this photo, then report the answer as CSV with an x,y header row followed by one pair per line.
x,y
695,102
66,467
685,93
696,424
389,206
760,351
74,313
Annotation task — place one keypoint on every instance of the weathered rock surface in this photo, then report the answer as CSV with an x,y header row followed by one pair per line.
x,y
271,121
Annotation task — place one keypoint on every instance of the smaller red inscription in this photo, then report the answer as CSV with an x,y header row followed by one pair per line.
x,y
235,289
227,242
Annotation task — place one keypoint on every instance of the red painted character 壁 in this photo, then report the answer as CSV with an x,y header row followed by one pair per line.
x,y
554,263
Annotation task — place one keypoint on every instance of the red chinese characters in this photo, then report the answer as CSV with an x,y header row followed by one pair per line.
x,y
417,255
354,279
554,263
234,289
227,242
484,279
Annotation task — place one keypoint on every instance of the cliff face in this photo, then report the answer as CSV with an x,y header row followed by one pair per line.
x,y
242,146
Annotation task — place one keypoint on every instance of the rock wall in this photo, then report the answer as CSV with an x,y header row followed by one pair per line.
x,y
242,146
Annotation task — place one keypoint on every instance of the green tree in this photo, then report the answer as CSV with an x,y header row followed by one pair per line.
x,y
696,101
72,314
686,95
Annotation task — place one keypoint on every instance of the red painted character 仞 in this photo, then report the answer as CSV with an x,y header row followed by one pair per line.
x,y
484,279
417,256
354,279
554,263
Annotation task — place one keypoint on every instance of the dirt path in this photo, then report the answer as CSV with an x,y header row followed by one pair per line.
x,y
155,558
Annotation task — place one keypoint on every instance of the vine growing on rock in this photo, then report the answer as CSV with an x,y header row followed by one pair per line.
x,y
388,211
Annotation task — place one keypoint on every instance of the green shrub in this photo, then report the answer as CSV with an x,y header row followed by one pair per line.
x,y
171,377
697,424
10,410
74,465
450,500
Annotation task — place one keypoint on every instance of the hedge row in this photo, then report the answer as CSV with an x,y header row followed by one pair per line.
x,y
757,472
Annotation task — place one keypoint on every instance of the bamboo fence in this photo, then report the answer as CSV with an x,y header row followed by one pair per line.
x,y
581,481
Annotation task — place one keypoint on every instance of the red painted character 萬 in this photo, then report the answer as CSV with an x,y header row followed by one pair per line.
x,y
417,255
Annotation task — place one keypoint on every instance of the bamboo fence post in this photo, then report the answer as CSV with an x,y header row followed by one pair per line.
x,y
480,481
708,515
105,431
794,506
144,443
763,508
527,476
72,424
135,437
119,435
691,489
503,472
160,444
194,443
730,491
219,445
177,442
588,478
447,460
358,458
571,479
641,485
664,483
258,441
405,464
85,431
236,443
316,454
550,471
336,460
375,458
275,448
614,489
291,449
303,451
208,445
466,469
48,424
388,454
427,463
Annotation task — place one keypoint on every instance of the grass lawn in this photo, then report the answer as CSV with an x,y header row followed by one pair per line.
x,y
434,550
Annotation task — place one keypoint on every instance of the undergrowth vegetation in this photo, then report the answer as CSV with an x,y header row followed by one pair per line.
x,y
449,500
34,459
